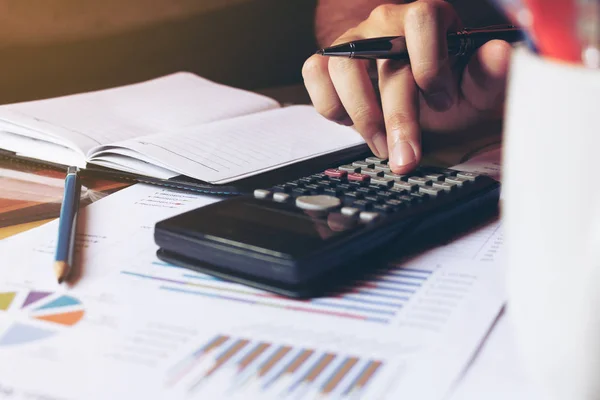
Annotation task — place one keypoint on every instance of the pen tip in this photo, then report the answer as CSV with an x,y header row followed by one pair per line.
x,y
320,52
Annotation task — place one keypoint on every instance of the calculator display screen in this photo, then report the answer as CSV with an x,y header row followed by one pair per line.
x,y
268,225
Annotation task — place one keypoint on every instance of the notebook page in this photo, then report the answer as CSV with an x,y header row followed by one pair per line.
x,y
228,150
41,150
166,104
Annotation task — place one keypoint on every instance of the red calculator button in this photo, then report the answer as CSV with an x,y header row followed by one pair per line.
x,y
335,173
358,177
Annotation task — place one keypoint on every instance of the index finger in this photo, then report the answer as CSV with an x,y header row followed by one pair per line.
x,y
400,104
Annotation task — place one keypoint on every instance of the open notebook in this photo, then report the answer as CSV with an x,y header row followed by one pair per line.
x,y
179,124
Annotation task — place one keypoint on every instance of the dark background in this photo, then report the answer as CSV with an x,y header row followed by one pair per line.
x,y
252,45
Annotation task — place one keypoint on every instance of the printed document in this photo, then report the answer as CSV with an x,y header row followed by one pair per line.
x,y
134,327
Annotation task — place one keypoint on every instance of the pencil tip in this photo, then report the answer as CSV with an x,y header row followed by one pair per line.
x,y
61,269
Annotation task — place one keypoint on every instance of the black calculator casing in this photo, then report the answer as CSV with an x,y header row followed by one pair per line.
x,y
282,248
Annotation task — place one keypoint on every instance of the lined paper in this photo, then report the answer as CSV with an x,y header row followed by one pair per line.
x,y
165,104
227,150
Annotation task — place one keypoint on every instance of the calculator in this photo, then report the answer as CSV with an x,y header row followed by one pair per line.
x,y
298,238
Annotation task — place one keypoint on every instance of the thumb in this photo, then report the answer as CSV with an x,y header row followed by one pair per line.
x,y
484,79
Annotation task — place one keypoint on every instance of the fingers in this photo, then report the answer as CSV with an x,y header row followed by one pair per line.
x,y
400,99
341,90
426,25
321,90
355,90
484,78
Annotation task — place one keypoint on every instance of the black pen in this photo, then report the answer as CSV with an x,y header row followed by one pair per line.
x,y
394,47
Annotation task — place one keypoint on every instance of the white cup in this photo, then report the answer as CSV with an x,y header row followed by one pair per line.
x,y
551,209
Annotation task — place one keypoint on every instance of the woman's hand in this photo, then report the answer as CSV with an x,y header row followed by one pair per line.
x,y
433,92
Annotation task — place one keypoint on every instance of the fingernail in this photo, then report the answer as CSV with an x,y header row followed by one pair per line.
x,y
439,101
403,154
345,121
380,142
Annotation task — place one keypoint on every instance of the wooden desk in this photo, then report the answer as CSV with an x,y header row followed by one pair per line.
x,y
9,231
30,195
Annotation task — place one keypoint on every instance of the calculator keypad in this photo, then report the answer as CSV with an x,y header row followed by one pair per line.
x,y
366,190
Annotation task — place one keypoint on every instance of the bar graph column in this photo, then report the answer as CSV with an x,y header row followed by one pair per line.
x,y
229,365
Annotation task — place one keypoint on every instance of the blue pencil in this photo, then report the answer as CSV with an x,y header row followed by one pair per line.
x,y
67,226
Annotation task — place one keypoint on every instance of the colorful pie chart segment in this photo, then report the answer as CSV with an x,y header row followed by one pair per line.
x,y
31,316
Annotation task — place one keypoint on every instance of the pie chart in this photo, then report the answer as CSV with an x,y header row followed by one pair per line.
x,y
30,316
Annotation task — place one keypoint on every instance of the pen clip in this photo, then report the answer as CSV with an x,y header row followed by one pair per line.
x,y
489,28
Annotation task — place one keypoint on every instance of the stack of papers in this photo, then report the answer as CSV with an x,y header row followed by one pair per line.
x,y
134,327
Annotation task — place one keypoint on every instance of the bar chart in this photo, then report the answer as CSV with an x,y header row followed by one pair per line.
x,y
252,366
377,298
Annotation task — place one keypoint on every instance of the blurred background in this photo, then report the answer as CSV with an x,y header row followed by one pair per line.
x,y
55,47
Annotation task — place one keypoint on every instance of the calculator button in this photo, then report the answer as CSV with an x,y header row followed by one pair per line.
x,y
409,187
320,176
371,172
386,195
384,208
368,216
344,186
376,160
382,167
262,194
282,189
335,173
324,184
419,180
396,177
397,204
352,185
350,211
300,191
387,182
468,175
435,177
349,168
333,192
446,171
337,180
456,180
419,197
328,184
354,196
317,203
281,197
314,189
407,199
358,177
306,180
430,190
363,164
447,186
374,199
365,190
363,205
